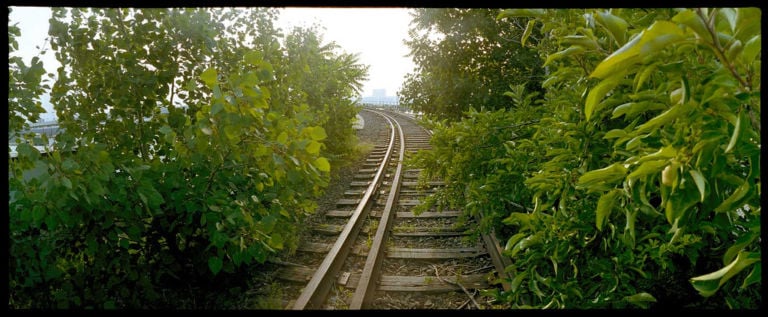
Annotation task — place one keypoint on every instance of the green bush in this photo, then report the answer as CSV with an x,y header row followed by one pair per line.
x,y
177,165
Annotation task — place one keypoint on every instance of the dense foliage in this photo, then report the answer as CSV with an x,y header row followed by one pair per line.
x,y
641,164
188,152
465,59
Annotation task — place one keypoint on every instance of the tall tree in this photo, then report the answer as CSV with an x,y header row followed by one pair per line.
x,y
465,59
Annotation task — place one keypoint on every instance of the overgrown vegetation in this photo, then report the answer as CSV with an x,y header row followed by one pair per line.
x,y
189,153
639,162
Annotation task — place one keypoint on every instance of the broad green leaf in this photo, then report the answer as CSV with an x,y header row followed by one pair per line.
x,y
754,277
620,60
738,194
276,241
653,39
322,164
574,49
746,27
253,58
165,129
598,92
738,246
209,77
605,206
751,49
215,263
317,133
512,241
664,153
700,182
643,75
217,107
268,223
615,26
615,133
694,22
641,299
735,135
708,284
527,32
608,174
584,41
313,147
66,182
734,50
667,116
678,203
283,138
527,242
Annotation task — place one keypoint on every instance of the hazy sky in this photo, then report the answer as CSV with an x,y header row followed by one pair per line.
x,y
377,34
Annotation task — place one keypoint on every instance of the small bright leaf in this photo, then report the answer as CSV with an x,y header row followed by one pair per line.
x,y
209,77
322,164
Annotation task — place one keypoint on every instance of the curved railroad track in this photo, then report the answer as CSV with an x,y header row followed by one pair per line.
x,y
374,252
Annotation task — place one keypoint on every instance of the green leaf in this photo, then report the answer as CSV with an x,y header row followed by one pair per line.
x,y
667,116
700,182
317,133
527,242
276,241
631,109
708,284
253,58
615,133
215,263
574,49
268,223
605,206
655,38
588,43
647,168
754,277
641,299
735,135
313,147
615,26
678,203
322,164
217,107
737,195
209,77
620,60
664,153
608,174
751,49
738,246
527,32
514,240
66,182
694,22
283,138
598,92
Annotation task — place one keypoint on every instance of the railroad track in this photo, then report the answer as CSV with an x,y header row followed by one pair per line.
x,y
374,252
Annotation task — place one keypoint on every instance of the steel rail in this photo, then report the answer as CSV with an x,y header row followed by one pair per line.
x,y
314,294
367,286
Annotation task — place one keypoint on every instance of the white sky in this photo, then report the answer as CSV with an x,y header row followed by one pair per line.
x,y
377,34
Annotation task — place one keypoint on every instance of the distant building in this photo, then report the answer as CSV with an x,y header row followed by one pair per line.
x,y
380,97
